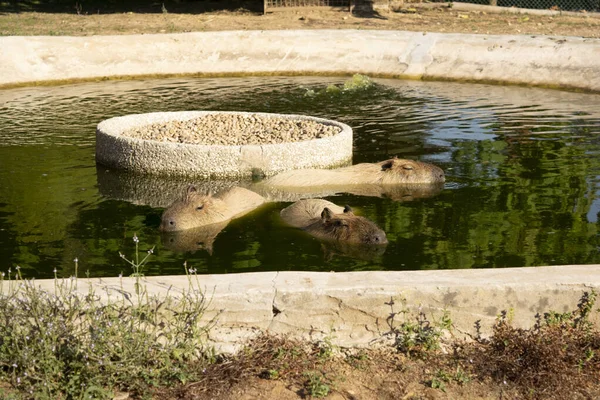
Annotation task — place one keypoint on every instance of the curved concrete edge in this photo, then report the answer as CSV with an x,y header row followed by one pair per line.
x,y
215,161
352,308
557,62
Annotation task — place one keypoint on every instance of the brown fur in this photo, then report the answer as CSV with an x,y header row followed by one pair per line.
x,y
394,171
328,221
195,209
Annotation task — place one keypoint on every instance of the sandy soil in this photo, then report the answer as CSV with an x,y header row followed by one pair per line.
x,y
441,19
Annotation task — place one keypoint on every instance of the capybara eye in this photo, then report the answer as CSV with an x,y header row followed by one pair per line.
x,y
200,207
407,166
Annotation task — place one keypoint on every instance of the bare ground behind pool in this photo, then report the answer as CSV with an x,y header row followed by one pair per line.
x,y
181,19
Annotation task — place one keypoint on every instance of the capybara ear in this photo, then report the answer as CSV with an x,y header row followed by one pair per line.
x,y
347,209
191,189
408,167
326,214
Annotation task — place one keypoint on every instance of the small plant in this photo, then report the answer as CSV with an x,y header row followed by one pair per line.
x,y
326,349
136,264
460,376
315,385
273,374
358,360
437,383
419,336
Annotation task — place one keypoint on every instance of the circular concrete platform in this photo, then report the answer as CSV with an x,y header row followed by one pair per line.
x,y
117,150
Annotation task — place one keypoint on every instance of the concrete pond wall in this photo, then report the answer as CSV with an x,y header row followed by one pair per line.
x,y
350,308
558,62
354,308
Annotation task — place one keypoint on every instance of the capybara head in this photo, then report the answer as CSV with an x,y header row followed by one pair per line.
x,y
398,170
193,209
346,227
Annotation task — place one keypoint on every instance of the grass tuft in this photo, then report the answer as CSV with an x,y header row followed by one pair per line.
x,y
68,344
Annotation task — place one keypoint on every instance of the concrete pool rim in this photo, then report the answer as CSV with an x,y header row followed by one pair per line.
x,y
352,308
571,63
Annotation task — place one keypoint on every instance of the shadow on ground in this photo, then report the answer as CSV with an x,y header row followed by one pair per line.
x,y
87,7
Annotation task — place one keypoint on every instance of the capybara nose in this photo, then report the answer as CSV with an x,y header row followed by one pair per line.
x,y
380,239
167,226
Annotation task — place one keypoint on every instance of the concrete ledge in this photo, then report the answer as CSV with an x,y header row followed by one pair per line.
x,y
353,308
215,161
557,62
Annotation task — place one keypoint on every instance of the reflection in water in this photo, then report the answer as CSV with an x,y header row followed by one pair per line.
x,y
161,191
365,252
522,168
192,240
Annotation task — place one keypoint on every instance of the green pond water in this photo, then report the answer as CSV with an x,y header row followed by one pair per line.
x,y
522,166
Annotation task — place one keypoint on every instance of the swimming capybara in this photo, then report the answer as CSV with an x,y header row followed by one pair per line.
x,y
395,171
328,221
195,209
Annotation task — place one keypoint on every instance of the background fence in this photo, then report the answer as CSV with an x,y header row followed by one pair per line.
x,y
306,3
564,5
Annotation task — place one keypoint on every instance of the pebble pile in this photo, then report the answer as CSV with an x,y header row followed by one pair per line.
x,y
233,129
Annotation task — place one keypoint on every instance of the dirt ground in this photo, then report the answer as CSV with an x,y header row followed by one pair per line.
x,y
410,18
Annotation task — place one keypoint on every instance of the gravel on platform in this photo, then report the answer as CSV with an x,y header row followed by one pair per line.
x,y
233,129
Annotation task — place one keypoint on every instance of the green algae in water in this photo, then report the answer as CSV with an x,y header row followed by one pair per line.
x,y
356,83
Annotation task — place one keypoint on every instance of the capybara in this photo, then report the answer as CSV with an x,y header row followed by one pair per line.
x,y
195,209
395,171
328,221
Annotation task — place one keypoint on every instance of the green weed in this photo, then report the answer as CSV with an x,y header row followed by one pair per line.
x,y
65,344
315,385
